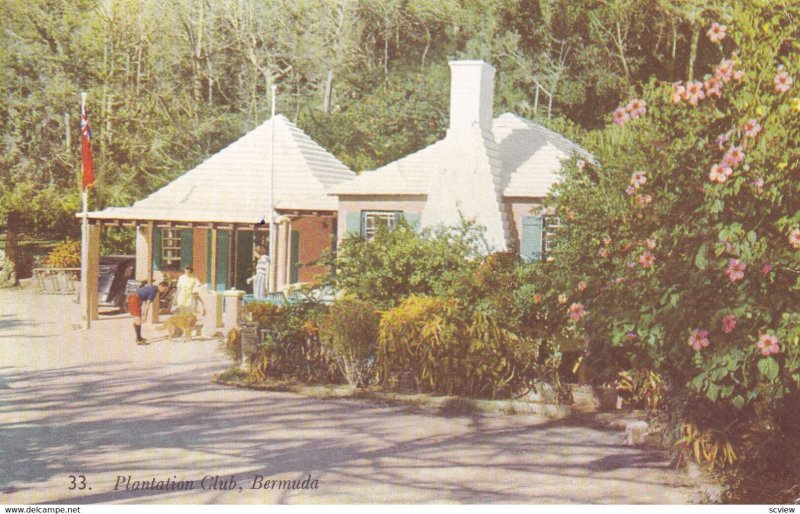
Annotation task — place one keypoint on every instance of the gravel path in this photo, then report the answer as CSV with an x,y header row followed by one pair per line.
x,y
94,404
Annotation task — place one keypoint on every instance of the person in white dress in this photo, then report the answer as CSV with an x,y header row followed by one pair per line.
x,y
186,297
259,280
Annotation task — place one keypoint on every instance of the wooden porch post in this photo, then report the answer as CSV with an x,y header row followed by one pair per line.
x,y
144,252
91,306
280,257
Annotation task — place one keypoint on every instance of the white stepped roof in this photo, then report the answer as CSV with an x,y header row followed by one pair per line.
x,y
233,185
530,157
408,175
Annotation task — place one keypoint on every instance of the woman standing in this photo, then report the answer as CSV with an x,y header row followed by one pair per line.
x,y
186,297
259,280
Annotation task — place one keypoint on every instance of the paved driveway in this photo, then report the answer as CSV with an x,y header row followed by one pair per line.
x,y
94,404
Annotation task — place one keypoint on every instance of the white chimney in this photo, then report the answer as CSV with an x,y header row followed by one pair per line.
x,y
471,94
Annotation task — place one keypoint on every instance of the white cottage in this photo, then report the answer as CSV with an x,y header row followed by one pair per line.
x,y
211,216
496,171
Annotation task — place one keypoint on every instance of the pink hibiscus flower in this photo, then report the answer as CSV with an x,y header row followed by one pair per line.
x,y
636,108
647,259
768,344
735,270
581,286
728,323
766,269
699,339
733,157
576,311
717,32
630,190
783,82
724,71
719,173
638,179
794,238
620,116
694,92
751,128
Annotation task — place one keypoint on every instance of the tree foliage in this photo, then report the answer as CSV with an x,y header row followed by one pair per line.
x,y
170,83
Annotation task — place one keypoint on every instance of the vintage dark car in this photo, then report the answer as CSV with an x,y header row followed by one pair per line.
x,y
115,271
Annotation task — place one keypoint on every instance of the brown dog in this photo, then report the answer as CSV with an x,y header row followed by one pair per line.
x,y
186,323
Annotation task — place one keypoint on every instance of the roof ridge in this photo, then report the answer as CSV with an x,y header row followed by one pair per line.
x,y
553,134
296,132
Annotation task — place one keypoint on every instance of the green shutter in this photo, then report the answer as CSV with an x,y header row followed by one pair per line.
x,y
531,239
223,237
412,218
294,265
157,253
352,223
208,258
244,258
187,250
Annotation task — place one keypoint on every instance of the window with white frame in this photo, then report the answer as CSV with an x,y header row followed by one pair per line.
x,y
371,221
171,249
551,225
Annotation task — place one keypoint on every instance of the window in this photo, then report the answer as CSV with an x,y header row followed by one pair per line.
x,y
551,225
371,221
171,249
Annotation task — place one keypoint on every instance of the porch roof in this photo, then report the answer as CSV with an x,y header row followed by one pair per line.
x,y
233,185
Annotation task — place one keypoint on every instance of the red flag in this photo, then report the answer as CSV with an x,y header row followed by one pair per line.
x,y
86,150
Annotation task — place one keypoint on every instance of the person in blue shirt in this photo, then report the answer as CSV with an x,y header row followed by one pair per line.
x,y
138,304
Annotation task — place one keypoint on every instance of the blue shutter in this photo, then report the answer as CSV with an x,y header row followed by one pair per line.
x,y
531,238
363,224
352,223
412,218
222,259
157,252
187,251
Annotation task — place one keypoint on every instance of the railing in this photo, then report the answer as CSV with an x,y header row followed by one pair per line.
x,y
57,280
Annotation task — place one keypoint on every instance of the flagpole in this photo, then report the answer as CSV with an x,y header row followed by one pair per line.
x,y
273,261
85,317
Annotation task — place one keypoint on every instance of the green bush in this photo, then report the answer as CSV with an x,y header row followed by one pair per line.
x,y
401,262
452,350
350,330
291,349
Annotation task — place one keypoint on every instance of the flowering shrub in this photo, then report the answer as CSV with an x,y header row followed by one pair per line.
x,y
712,258
66,254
